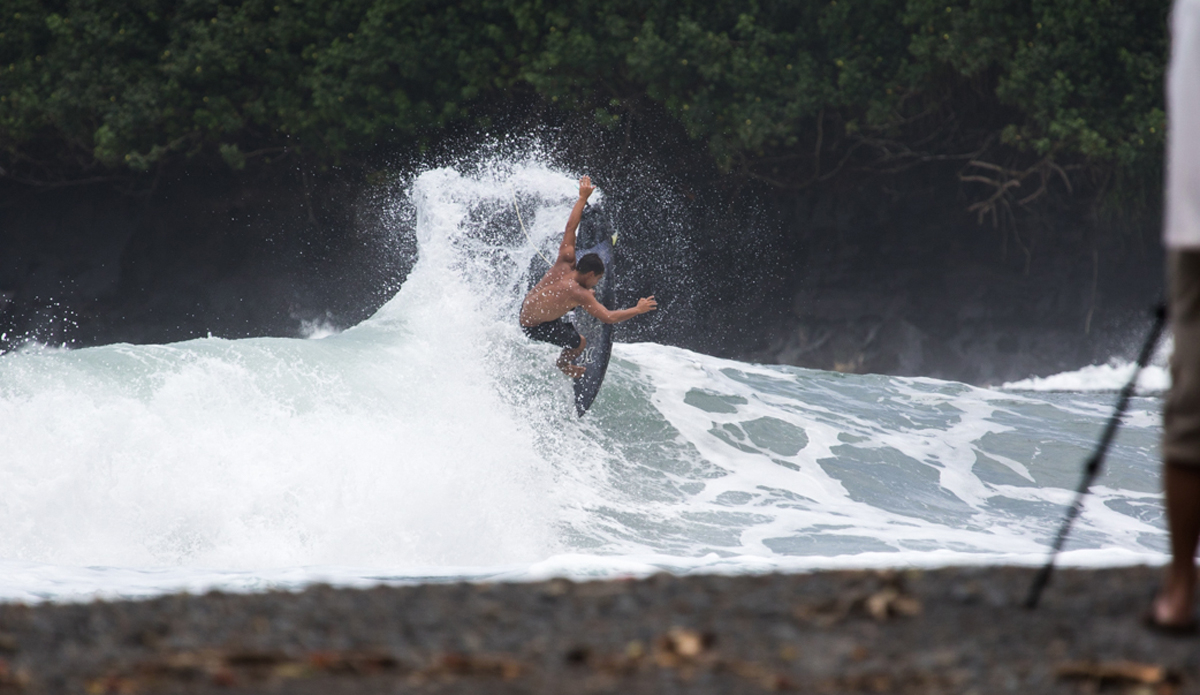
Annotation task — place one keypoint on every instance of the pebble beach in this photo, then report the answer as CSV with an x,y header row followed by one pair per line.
x,y
957,630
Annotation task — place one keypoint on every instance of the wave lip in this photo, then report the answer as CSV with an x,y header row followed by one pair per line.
x,y
1113,376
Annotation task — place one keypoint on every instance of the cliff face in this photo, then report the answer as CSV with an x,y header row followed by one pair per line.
x,y
201,252
909,283
894,276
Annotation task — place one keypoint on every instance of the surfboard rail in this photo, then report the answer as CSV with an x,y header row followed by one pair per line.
x,y
595,235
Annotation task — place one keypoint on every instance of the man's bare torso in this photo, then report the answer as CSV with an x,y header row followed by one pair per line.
x,y
554,295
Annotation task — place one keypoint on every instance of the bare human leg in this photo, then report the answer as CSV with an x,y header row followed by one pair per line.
x,y
568,354
1172,607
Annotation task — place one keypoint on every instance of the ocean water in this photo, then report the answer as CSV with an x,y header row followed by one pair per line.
x,y
433,442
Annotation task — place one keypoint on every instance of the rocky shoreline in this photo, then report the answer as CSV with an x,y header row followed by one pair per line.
x,y
958,630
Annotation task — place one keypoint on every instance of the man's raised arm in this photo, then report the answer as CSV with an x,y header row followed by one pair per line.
x,y
566,250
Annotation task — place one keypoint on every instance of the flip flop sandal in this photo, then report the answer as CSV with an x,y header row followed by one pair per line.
x,y
1188,629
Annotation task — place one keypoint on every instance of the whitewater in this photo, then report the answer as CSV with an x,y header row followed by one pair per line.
x,y
434,442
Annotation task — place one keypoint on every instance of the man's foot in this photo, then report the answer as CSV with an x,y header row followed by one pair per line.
x,y
568,356
571,355
1170,612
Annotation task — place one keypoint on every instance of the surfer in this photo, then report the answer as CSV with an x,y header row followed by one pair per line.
x,y
568,284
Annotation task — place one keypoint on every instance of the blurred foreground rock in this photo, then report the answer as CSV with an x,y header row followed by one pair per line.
x,y
944,631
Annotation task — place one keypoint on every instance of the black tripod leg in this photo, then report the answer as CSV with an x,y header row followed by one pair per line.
x,y
1092,469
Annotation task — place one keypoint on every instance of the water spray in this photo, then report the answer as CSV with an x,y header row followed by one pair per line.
x,y
535,248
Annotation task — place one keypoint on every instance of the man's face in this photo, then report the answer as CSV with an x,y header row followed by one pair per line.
x,y
588,280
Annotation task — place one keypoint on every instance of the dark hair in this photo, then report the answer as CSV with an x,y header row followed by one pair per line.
x,y
590,263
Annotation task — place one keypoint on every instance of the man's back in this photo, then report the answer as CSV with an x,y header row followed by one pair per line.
x,y
553,296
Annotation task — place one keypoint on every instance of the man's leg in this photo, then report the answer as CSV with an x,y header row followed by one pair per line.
x,y
1181,442
1173,606
568,354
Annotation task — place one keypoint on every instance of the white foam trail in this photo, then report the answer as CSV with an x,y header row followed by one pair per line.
x,y
33,582
885,463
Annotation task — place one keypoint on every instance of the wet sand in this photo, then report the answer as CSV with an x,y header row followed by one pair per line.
x,y
943,631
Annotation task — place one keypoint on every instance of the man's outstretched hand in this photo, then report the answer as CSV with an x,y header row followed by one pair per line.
x,y
646,304
585,187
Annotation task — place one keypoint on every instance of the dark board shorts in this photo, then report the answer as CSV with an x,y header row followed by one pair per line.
x,y
557,332
1181,413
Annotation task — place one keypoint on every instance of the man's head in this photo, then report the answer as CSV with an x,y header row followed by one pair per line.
x,y
589,270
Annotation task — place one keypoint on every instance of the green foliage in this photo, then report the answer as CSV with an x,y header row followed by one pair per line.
x,y
1085,75
129,82
786,91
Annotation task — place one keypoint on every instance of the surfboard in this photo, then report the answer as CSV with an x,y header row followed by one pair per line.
x,y
597,235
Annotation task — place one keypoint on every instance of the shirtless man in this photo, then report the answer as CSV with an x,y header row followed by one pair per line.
x,y
567,285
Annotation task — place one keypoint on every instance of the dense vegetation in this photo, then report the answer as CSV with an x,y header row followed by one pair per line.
x,y
786,91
